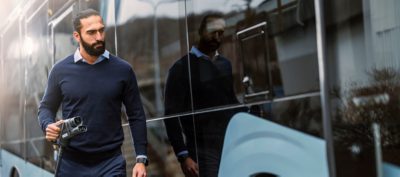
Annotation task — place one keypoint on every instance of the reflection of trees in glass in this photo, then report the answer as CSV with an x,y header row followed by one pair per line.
x,y
301,114
135,39
377,102
135,45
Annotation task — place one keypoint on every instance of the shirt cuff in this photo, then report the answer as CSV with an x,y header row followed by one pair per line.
x,y
182,153
141,156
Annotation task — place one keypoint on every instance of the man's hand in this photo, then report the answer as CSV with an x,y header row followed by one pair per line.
x,y
139,170
53,131
190,168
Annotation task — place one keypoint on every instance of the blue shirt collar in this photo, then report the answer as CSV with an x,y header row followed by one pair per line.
x,y
200,54
78,56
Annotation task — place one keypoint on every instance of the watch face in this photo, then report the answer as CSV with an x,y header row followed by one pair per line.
x,y
142,160
182,158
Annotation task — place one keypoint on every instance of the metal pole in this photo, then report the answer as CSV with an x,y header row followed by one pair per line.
x,y
116,27
324,85
157,86
378,149
1,94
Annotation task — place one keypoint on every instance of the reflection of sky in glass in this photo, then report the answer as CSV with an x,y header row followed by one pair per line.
x,y
6,7
130,9
110,20
136,8
199,6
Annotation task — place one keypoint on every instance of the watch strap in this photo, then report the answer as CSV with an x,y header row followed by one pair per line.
x,y
143,160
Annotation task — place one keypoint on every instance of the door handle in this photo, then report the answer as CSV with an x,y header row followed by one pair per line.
x,y
249,88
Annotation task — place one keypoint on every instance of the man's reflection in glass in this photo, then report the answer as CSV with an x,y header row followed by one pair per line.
x,y
211,85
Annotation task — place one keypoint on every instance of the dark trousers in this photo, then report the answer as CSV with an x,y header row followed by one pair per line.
x,y
209,163
209,153
113,166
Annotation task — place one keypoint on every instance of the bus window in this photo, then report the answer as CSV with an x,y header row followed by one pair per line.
x,y
61,29
55,6
364,60
38,64
160,151
282,59
151,37
254,58
12,128
1,95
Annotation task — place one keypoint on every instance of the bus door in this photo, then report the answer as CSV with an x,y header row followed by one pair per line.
x,y
279,78
254,56
278,63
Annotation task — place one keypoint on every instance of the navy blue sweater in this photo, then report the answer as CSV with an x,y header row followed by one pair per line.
x,y
212,85
96,93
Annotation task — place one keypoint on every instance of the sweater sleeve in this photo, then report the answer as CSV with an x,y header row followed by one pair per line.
x,y
50,102
175,102
135,113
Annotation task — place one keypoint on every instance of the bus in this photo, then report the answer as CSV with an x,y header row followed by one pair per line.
x,y
318,82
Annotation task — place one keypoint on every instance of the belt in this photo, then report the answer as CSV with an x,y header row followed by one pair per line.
x,y
89,157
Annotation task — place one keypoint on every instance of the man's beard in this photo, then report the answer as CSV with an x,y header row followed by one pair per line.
x,y
92,50
210,45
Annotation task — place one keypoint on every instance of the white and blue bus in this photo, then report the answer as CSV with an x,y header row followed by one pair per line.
x,y
320,81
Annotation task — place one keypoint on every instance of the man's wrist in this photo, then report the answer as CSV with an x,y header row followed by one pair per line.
x,y
142,159
183,157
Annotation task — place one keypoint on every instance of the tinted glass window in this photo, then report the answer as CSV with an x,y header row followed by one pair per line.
x,y
266,51
63,42
151,37
364,60
38,64
13,87
55,6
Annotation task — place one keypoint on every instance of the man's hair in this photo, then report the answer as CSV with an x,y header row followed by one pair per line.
x,y
81,15
203,24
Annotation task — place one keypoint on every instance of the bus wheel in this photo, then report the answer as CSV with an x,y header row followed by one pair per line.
x,y
14,172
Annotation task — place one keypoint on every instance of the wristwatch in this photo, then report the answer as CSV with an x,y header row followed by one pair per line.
x,y
183,157
142,160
